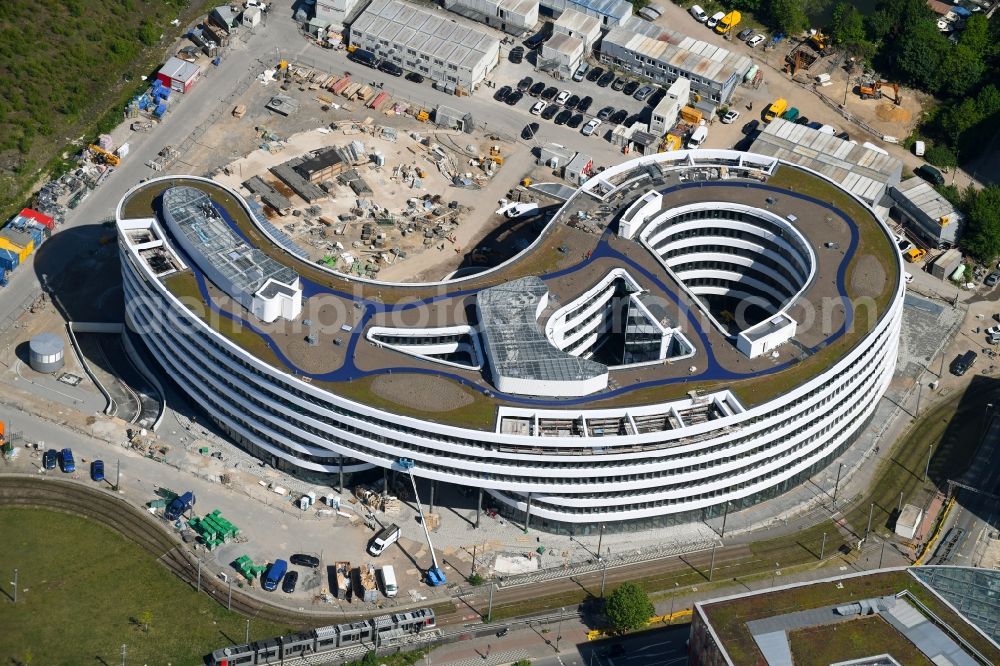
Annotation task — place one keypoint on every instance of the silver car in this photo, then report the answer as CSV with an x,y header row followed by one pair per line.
x,y
642,93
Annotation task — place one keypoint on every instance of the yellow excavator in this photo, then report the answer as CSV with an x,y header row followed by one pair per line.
x,y
104,156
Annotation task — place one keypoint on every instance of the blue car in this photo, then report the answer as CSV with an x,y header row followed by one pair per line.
x,y
66,461
97,470
49,459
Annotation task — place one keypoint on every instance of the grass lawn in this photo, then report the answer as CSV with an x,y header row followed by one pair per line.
x,y
82,589
864,637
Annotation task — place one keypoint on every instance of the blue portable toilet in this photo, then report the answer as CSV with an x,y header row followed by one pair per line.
x,y
164,92
161,110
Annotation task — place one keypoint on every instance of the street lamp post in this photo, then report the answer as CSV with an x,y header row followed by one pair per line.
x,y
604,576
14,583
868,529
927,468
673,600
559,630
836,485
774,573
600,540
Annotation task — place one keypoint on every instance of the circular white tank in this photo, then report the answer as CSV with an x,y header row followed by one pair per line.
x,y
46,352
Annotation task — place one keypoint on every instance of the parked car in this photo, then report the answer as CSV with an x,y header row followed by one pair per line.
x,y
962,363
930,174
591,127
66,461
580,72
619,83
698,13
575,121
97,470
802,120
275,572
303,560
416,78
642,93
537,89
563,117
572,102
501,94
731,116
595,74
656,97
550,111
516,54
525,84
50,458
845,137
539,38
390,68
744,34
755,41
550,93
288,585
584,104
514,98
714,19
606,113
537,108
993,331
563,96
619,116
751,127
606,79
630,88
529,131
992,279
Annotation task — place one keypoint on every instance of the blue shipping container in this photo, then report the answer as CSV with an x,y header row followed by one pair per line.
x,y
8,260
161,110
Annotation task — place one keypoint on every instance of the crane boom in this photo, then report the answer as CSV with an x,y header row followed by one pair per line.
x,y
435,576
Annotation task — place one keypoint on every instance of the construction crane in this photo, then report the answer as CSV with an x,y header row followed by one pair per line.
x,y
108,158
435,577
873,90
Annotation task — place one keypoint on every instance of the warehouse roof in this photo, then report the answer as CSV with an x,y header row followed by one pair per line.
x,y
862,171
575,21
519,7
691,56
617,8
922,196
427,33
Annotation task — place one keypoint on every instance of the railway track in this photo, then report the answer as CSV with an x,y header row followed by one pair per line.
x,y
150,534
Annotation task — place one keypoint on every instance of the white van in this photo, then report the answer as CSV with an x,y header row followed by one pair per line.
x,y
385,538
714,19
698,137
698,13
389,581
919,148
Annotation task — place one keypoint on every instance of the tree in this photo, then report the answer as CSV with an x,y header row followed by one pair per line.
x,y
145,618
961,70
788,16
847,25
918,54
982,225
628,607
976,35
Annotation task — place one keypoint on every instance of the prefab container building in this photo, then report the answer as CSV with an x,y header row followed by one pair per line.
x,y
561,55
338,12
926,213
178,74
35,216
512,16
21,242
611,13
420,41
577,24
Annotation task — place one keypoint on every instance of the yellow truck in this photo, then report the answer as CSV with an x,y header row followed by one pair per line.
x,y
778,107
728,22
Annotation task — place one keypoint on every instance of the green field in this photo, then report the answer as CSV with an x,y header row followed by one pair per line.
x,y
83,590
68,68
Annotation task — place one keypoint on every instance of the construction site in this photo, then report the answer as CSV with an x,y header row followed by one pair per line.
x,y
388,195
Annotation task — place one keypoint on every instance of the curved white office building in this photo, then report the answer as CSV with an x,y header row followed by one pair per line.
x,y
692,329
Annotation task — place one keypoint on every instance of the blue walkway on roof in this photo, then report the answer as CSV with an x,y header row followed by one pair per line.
x,y
712,372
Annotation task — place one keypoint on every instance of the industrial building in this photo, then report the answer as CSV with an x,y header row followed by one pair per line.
x,y
535,403
864,172
561,55
420,41
178,75
325,164
577,24
512,16
927,615
337,13
661,55
611,13
926,213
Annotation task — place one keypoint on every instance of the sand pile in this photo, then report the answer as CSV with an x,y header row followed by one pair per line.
x,y
891,113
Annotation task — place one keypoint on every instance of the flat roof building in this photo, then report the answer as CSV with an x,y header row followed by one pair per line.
x,y
420,41
926,213
561,55
664,116
861,171
178,74
611,13
338,13
577,24
662,55
512,16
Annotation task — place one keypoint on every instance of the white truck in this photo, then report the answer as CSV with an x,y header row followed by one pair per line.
x,y
389,585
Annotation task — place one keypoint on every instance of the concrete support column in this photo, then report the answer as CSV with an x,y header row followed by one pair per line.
x,y
431,503
527,515
479,505
340,488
